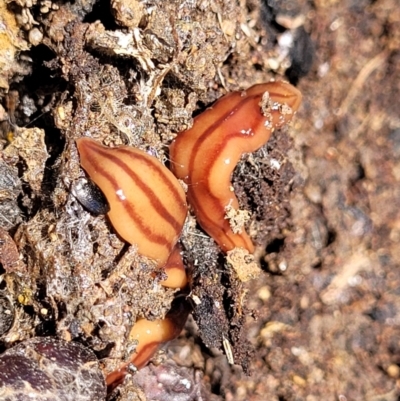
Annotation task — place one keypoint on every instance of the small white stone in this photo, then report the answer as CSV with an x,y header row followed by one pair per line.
x,y
35,37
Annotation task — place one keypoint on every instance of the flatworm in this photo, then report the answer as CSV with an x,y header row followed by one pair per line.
x,y
205,155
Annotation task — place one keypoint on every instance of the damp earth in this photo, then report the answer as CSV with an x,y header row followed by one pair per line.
x,y
321,201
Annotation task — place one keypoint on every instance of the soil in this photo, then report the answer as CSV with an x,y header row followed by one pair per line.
x,y
322,320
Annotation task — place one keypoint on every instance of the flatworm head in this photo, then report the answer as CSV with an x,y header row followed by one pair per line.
x,y
147,204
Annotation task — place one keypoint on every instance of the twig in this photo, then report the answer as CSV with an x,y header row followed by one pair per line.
x,y
362,76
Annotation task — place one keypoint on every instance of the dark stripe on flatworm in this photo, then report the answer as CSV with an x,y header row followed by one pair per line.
x,y
166,179
129,206
217,150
